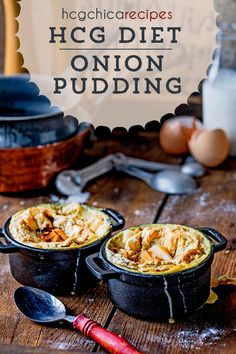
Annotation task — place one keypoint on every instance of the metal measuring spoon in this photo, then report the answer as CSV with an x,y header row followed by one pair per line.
x,y
72,182
191,167
168,182
65,183
44,308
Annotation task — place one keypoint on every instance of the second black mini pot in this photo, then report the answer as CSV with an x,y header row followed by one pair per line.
x,y
154,297
60,272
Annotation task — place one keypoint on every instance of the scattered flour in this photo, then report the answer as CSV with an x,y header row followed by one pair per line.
x,y
202,207
65,345
226,206
192,339
5,207
195,338
137,212
78,198
204,199
82,197
4,273
5,269
163,338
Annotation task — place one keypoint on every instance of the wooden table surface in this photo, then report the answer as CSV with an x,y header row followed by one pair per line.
x,y
210,330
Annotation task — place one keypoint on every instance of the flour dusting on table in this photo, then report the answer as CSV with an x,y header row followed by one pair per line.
x,y
195,338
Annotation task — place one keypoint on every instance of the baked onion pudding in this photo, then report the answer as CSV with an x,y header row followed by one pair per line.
x,y
56,226
158,249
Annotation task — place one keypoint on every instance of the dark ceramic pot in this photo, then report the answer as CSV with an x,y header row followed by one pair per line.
x,y
28,119
57,271
155,297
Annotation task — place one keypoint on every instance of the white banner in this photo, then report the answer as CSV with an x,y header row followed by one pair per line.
x,y
117,63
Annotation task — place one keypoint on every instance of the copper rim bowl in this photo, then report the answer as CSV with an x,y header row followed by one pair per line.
x,y
154,297
24,169
57,271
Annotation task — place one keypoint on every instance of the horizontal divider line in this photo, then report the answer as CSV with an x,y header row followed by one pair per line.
x,y
116,49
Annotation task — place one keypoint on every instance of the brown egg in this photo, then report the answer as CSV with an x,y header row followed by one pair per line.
x,y
176,132
210,148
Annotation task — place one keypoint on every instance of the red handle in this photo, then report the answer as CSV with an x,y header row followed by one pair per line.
x,y
108,340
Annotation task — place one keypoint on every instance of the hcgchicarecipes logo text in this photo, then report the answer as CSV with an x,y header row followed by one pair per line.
x,y
105,14
134,50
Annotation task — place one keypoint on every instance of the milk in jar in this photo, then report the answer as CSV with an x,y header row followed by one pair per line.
x,y
219,90
219,104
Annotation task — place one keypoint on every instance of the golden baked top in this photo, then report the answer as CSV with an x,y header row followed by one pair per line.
x,y
158,249
50,226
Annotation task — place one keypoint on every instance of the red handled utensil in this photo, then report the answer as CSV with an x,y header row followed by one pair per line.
x,y
44,308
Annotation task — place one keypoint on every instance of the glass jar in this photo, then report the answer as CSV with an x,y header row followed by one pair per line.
x,y
219,91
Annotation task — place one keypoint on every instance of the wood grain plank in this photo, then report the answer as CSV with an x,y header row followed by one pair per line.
x,y
19,349
212,329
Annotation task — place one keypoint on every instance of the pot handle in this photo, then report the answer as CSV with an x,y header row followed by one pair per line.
x,y
7,248
119,220
95,268
221,241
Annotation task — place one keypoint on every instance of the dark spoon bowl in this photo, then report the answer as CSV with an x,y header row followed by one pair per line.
x,y
38,305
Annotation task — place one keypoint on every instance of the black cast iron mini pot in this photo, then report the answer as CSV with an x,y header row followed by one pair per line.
x,y
27,118
154,297
60,272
